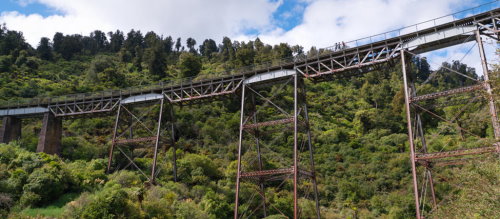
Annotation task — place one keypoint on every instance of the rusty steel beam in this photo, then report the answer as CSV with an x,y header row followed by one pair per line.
x,y
410,134
268,123
488,87
135,140
274,172
261,173
447,93
458,153
441,163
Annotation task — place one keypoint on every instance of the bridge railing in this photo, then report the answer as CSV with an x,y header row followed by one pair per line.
x,y
416,27
252,68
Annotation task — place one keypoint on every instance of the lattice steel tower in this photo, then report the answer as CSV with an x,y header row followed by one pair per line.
x,y
266,111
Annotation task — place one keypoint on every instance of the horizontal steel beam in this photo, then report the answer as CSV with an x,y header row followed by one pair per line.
x,y
135,140
268,123
457,153
447,93
263,174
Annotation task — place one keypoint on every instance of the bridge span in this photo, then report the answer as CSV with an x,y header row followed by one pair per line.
x,y
356,58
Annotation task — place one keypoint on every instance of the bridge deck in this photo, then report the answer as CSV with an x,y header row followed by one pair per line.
x,y
357,57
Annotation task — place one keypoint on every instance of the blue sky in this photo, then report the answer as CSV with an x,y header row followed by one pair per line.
x,y
288,15
27,8
319,23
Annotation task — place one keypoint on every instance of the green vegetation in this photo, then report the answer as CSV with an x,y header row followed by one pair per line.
x,y
55,209
358,126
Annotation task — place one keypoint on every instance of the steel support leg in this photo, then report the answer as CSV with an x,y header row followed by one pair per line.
x,y
236,203
153,168
172,142
431,185
295,150
311,156
111,150
424,149
489,90
259,157
410,135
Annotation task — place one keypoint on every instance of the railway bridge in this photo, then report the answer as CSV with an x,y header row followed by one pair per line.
x,y
354,59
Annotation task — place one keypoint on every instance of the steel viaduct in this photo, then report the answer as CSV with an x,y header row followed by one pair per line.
x,y
356,58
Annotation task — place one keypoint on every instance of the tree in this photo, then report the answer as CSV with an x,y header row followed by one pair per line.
x,y
89,45
190,43
168,43
116,40
178,44
100,39
151,39
197,169
71,45
208,48
423,68
44,49
138,51
189,65
245,54
282,51
216,205
155,58
12,42
134,42
227,49
57,40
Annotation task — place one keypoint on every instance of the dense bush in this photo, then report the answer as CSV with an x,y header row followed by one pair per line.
x,y
358,130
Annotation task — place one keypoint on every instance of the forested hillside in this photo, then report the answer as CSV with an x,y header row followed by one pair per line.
x,y
358,127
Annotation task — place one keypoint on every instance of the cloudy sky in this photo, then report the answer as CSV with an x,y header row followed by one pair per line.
x,y
318,23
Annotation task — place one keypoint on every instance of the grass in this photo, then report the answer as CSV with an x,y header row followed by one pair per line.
x,y
53,210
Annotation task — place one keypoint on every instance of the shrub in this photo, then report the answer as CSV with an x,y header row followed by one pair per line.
x,y
110,202
45,184
197,169
87,175
159,203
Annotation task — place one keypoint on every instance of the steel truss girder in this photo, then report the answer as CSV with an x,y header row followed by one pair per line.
x,y
204,89
344,61
84,107
383,51
350,60
489,27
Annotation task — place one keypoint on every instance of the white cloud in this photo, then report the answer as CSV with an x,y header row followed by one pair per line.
x,y
328,21
467,53
185,18
324,22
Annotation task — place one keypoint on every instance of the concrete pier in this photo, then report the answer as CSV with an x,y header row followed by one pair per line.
x,y
10,130
49,140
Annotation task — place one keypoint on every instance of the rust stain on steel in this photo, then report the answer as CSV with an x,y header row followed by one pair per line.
x,y
135,140
457,153
447,93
